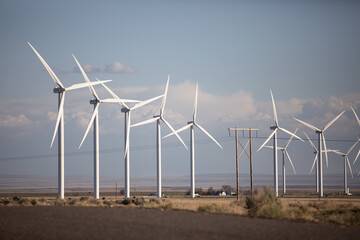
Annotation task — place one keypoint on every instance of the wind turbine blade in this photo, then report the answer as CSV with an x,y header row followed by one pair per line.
x,y
127,134
290,133
50,71
312,144
179,130
274,109
348,162
151,120
332,121
82,85
357,118
113,94
352,147
204,131
272,134
164,98
308,125
195,103
313,164
292,165
290,139
269,147
326,156
146,102
95,114
356,156
92,90
172,129
60,113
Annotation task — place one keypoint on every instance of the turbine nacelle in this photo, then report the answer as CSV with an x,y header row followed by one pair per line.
x,y
58,89
125,110
273,127
94,101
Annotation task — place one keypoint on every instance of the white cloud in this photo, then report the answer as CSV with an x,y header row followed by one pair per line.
x,y
88,68
214,111
117,67
14,121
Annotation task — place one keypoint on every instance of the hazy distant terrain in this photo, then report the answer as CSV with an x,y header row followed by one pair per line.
x,y
18,183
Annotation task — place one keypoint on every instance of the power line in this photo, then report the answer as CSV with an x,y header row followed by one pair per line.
x,y
145,147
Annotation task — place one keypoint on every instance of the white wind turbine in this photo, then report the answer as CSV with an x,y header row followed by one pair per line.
x,y
95,121
157,119
315,161
285,152
321,140
358,120
346,160
59,126
191,125
127,111
275,128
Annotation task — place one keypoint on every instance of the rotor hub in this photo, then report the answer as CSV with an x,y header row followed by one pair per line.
x,y
58,89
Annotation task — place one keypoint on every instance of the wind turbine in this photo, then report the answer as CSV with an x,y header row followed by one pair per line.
x,y
191,125
315,161
321,140
59,126
275,128
346,160
285,152
127,111
158,119
95,121
358,120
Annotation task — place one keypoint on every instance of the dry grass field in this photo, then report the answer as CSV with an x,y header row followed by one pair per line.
x,y
340,210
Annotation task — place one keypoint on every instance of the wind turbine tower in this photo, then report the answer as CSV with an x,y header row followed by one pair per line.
x,y
285,152
275,128
127,111
191,125
346,160
95,121
59,126
158,119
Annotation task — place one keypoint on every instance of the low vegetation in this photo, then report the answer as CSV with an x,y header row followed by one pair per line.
x,y
262,203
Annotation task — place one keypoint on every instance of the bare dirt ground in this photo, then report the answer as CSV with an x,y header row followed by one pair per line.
x,y
139,223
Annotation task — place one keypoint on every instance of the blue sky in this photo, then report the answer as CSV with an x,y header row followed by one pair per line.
x,y
307,52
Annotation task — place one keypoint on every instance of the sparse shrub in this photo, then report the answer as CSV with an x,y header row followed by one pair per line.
x,y
94,201
5,201
126,201
107,203
167,206
154,200
263,203
16,198
33,202
42,200
138,201
209,208
72,202
82,199
59,202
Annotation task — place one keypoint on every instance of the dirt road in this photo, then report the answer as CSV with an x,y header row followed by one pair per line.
x,y
132,223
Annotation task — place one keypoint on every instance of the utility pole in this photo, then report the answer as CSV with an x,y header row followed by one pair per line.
x,y
237,142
